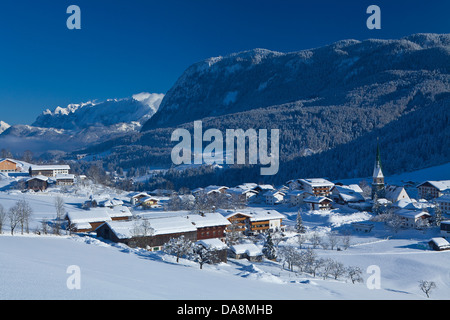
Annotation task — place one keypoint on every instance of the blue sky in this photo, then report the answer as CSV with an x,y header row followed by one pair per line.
x,y
127,47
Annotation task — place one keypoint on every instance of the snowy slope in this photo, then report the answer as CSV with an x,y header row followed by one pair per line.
x,y
35,268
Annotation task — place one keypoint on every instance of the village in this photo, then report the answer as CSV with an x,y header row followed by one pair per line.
x,y
237,222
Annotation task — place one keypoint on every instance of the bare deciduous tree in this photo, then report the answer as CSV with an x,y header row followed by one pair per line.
x,y
2,217
427,286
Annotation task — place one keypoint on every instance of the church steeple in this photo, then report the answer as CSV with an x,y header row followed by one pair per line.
x,y
378,187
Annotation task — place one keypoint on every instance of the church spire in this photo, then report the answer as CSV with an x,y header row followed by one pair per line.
x,y
378,187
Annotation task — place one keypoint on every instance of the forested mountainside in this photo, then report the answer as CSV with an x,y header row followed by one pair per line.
x,y
329,104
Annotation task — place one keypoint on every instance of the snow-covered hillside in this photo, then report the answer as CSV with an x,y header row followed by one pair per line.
x,y
79,125
35,267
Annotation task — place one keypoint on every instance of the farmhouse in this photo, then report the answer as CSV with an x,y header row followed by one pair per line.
x,y
161,231
433,189
347,194
65,179
8,165
209,225
297,197
37,183
49,170
318,203
413,218
136,197
89,220
253,220
274,197
318,187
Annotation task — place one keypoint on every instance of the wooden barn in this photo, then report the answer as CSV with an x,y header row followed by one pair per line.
x,y
38,183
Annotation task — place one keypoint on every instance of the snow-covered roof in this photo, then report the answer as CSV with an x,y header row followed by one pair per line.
x,y
169,225
98,214
348,194
317,182
111,203
247,248
315,199
210,219
50,167
411,214
441,243
39,177
215,244
65,176
440,185
88,216
254,214
138,194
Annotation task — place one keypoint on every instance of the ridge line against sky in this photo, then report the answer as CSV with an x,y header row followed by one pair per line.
x,y
128,47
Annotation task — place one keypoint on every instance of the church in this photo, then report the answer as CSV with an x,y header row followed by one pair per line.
x,y
378,186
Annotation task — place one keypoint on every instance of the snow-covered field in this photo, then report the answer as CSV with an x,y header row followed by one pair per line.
x,y
36,267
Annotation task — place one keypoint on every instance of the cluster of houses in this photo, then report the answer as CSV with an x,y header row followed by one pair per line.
x,y
40,176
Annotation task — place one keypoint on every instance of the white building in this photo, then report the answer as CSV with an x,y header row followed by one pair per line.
x,y
412,218
274,197
396,193
317,186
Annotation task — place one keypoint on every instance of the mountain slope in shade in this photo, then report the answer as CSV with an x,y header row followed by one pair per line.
x,y
260,78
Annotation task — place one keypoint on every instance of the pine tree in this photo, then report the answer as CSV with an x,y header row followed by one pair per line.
x,y
269,249
299,223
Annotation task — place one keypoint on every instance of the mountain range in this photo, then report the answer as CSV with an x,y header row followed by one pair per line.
x,y
331,104
77,125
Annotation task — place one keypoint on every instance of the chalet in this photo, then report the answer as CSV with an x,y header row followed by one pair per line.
x,y
217,246
148,202
95,201
238,220
318,187
211,225
162,230
65,179
347,194
210,190
264,221
439,244
433,189
247,251
135,197
274,197
89,220
396,193
49,170
413,218
318,203
444,203
8,165
37,183
253,220
297,197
